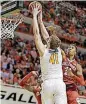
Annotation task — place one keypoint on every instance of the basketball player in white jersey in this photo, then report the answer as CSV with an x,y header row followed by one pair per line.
x,y
53,87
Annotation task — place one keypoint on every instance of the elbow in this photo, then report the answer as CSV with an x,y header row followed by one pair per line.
x,y
80,80
82,83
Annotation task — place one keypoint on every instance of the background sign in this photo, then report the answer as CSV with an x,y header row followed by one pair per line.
x,y
13,95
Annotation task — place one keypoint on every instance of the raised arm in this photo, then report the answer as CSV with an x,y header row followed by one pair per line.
x,y
40,46
43,28
79,77
63,55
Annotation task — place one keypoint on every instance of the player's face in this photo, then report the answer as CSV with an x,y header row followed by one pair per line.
x,y
53,42
71,50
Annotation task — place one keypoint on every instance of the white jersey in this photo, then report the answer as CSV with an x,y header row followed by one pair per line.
x,y
51,64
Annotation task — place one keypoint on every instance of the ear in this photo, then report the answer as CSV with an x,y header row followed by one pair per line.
x,y
75,52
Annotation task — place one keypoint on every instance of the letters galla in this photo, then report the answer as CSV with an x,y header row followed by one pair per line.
x,y
12,95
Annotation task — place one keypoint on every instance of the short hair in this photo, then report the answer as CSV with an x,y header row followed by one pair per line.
x,y
74,46
55,42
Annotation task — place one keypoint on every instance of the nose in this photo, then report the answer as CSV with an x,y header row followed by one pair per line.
x,y
70,48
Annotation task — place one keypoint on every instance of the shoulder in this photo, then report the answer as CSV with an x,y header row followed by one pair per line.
x,y
78,66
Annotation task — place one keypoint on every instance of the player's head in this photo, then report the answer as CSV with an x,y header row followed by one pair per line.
x,y
54,42
72,49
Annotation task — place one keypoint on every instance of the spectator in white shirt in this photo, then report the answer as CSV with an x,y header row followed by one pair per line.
x,y
33,53
4,63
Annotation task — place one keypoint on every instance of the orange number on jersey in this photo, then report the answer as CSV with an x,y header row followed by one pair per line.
x,y
54,58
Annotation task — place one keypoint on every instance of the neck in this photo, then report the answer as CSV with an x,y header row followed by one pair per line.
x,y
71,57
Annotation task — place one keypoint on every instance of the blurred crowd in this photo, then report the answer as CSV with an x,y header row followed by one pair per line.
x,y
18,58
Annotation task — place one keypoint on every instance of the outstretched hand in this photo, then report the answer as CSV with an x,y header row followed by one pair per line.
x,y
69,72
35,8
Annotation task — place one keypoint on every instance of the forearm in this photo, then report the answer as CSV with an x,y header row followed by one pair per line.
x,y
37,37
79,79
35,25
44,31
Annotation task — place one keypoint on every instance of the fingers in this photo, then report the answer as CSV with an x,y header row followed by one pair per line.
x,y
35,8
69,72
34,5
31,5
40,13
38,5
27,84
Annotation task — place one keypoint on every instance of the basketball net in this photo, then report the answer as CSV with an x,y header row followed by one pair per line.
x,y
9,24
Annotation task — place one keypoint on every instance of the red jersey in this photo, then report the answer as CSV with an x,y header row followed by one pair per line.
x,y
30,79
72,65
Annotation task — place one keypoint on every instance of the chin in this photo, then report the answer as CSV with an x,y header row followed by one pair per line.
x,y
70,54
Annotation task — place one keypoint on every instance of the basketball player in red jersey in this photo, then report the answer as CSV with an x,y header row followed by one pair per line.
x,y
31,83
72,72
